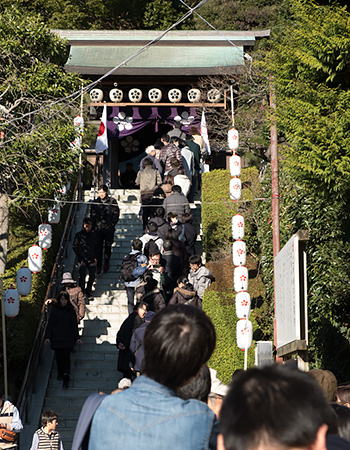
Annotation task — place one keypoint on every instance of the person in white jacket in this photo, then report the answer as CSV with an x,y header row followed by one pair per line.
x,y
200,277
182,180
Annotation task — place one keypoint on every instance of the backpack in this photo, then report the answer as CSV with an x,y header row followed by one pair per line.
x,y
128,265
151,247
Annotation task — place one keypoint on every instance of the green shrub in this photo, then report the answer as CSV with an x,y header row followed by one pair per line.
x,y
227,357
218,208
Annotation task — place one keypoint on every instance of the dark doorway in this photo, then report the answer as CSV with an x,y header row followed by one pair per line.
x,y
132,149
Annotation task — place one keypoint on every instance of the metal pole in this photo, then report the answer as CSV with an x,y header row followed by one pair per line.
x,y
232,107
275,198
4,339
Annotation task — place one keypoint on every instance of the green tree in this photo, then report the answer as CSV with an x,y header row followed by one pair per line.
x,y
161,14
238,14
35,155
310,63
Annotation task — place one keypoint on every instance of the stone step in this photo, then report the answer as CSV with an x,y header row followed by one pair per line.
x,y
97,310
69,395
99,384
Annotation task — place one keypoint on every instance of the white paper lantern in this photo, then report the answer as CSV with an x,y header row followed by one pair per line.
x,y
235,166
155,95
214,95
232,139
239,253
194,95
116,95
54,214
238,227
240,278
11,302
135,95
24,281
45,235
79,124
35,258
96,95
244,333
175,95
242,305
235,188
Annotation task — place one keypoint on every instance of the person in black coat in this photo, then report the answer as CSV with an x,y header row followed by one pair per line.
x,y
162,224
133,321
173,267
190,233
105,216
85,247
62,334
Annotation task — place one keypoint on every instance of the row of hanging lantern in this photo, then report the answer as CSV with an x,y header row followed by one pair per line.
x,y
244,328
35,252
155,95
35,258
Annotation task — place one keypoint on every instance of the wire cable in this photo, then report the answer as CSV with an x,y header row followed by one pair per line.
x,y
94,83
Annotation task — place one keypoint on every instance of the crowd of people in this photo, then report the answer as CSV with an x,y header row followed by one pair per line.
x,y
168,396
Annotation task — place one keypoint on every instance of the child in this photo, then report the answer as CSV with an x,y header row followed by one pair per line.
x,y
47,436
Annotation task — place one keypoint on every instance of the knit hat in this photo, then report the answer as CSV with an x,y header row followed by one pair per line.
x,y
149,149
67,278
124,383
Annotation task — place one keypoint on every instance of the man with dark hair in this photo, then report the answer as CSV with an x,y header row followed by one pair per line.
x,y
195,149
148,179
150,240
162,226
105,216
176,202
150,415
170,150
176,131
274,407
85,247
173,267
133,260
199,275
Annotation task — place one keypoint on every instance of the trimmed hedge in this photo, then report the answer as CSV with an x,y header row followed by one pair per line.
x,y
218,208
227,357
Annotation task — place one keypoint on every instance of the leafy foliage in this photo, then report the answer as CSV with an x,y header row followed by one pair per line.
x,y
39,160
227,357
310,62
106,14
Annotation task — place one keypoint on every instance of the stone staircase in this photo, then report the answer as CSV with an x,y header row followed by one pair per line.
x,y
94,364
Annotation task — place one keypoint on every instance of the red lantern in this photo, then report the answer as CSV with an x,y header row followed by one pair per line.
x,y
235,166
11,302
54,214
239,253
244,333
242,305
240,278
235,188
232,139
35,257
238,227
45,236
24,281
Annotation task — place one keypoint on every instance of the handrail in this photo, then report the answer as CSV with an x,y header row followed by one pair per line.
x,y
26,390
